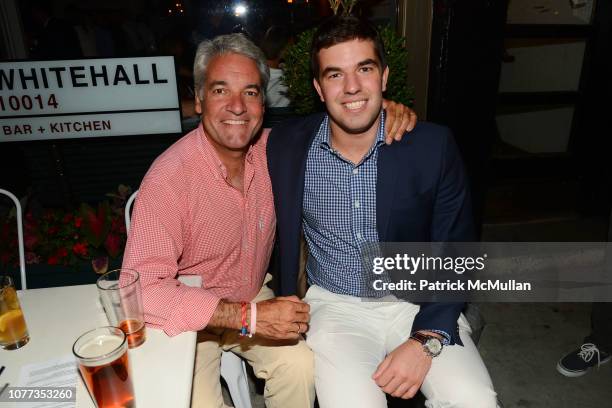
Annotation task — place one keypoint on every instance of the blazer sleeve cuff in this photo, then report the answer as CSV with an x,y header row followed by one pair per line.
x,y
440,317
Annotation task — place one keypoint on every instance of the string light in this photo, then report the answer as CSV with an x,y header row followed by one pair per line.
x,y
177,8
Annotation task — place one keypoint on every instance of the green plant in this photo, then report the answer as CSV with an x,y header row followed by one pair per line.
x,y
398,84
298,78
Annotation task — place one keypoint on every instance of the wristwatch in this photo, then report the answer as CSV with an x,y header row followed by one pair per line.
x,y
432,346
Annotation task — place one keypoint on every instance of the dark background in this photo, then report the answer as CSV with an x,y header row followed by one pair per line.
x,y
467,53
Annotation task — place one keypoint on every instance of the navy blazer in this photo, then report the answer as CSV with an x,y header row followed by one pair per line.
x,y
421,195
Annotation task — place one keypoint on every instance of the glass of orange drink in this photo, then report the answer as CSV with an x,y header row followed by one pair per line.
x,y
13,328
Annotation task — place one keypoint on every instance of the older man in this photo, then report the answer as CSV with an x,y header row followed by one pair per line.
x,y
205,208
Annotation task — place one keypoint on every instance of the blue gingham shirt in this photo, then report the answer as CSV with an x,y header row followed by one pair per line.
x,y
339,214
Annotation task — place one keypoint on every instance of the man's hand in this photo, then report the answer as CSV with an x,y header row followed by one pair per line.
x,y
282,318
402,372
399,119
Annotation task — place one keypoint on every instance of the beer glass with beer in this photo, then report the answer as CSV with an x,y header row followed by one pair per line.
x,y
104,365
121,297
13,329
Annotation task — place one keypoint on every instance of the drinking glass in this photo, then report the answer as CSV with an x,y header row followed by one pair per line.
x,y
104,365
121,297
13,328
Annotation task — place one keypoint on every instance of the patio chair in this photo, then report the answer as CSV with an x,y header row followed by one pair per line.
x,y
233,368
19,236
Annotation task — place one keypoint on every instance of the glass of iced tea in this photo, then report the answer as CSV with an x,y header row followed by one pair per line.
x,y
121,297
103,362
13,329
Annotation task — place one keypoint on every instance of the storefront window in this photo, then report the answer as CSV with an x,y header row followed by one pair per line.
x,y
63,29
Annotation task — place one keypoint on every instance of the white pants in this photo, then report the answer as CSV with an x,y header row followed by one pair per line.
x,y
351,337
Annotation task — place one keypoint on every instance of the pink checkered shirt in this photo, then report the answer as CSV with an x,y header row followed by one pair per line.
x,y
188,220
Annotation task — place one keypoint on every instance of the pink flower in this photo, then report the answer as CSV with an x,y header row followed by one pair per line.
x,y
80,248
30,240
31,258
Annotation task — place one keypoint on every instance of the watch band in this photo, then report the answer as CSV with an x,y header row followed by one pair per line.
x,y
420,337
428,348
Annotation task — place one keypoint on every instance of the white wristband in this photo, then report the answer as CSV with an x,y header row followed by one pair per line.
x,y
253,327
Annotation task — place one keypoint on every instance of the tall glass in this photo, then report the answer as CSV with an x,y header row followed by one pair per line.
x,y
13,328
103,362
121,297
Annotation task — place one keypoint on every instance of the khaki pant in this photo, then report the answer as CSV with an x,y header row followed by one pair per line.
x,y
287,367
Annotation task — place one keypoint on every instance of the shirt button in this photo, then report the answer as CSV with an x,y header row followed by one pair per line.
x,y
359,235
355,171
356,204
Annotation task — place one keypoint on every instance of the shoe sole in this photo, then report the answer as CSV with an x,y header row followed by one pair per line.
x,y
573,374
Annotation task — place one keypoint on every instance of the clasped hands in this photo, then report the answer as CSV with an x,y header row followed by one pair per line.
x,y
282,318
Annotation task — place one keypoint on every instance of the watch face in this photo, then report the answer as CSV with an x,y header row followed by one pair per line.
x,y
434,345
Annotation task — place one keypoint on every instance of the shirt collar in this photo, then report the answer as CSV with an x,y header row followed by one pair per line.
x,y
211,156
323,135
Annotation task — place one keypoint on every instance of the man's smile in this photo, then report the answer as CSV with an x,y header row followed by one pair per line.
x,y
354,105
234,122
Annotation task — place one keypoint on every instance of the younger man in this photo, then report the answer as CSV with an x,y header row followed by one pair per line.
x,y
333,176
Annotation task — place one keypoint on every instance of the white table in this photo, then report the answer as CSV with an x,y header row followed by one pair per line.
x,y
162,367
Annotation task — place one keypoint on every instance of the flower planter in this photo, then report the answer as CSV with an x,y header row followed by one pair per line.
x,y
47,276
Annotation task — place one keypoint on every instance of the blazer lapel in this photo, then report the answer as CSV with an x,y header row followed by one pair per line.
x,y
388,167
297,162
294,166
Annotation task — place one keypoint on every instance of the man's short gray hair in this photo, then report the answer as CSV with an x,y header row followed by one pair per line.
x,y
228,44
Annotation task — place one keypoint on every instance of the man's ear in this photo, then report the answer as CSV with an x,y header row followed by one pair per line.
x,y
318,88
198,105
385,76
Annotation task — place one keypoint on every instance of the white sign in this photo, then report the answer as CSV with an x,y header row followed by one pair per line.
x,y
88,98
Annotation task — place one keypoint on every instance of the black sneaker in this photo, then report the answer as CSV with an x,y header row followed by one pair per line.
x,y
579,361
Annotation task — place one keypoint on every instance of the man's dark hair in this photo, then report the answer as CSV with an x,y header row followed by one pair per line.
x,y
339,29
274,42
